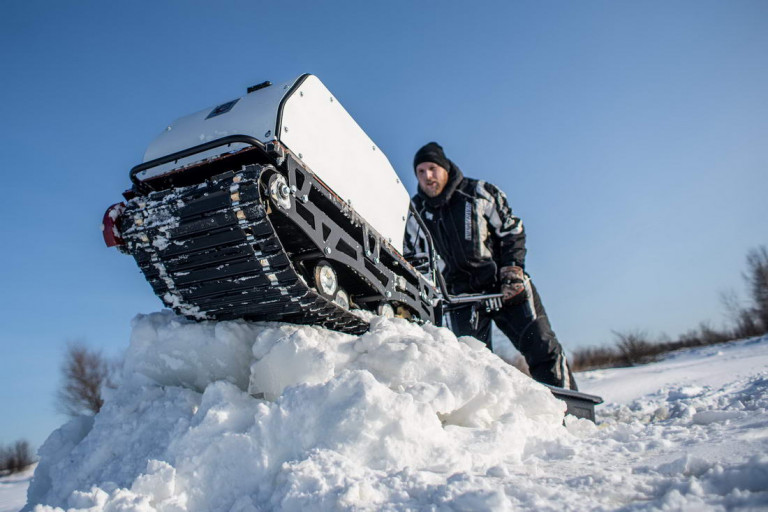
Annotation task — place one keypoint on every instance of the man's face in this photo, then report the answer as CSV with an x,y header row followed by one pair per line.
x,y
432,178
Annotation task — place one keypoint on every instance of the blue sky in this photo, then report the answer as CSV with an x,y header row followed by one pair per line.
x,y
629,136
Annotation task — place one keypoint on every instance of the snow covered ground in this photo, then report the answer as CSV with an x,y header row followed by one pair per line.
x,y
13,491
239,417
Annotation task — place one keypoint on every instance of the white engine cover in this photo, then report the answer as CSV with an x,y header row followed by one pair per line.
x,y
317,129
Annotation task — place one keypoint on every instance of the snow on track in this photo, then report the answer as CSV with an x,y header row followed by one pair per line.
x,y
239,416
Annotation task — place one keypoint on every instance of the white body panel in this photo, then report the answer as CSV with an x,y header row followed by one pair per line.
x,y
317,129
326,138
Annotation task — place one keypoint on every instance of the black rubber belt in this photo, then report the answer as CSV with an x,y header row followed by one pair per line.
x,y
191,244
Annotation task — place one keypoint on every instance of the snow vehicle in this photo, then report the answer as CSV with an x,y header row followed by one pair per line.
x,y
260,208
274,206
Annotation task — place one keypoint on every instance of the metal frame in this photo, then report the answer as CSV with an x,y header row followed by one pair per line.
x,y
224,141
423,299
286,97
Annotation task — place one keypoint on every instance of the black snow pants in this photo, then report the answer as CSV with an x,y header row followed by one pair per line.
x,y
527,327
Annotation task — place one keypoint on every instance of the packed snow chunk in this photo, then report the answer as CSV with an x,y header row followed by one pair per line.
x,y
175,351
462,381
55,449
285,356
264,416
687,465
707,417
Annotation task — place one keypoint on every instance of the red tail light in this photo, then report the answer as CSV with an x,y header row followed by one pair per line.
x,y
110,225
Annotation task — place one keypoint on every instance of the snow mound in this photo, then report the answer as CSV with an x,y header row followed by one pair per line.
x,y
238,416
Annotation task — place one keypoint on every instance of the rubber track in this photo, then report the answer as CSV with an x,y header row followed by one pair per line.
x,y
210,252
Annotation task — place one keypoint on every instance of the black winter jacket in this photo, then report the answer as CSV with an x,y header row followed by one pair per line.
x,y
474,231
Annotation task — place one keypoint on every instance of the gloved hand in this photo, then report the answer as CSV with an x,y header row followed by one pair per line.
x,y
513,284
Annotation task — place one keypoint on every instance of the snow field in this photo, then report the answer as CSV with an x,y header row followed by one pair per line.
x,y
238,416
13,490
696,435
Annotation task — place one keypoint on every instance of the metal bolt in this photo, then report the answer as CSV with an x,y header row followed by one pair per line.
x,y
376,260
301,93
374,148
285,128
301,156
268,134
293,188
367,253
304,198
397,180
388,294
403,217
327,250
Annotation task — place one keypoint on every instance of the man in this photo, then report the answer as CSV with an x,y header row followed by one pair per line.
x,y
482,248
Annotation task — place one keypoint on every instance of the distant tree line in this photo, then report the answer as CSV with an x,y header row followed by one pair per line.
x,y
746,320
16,457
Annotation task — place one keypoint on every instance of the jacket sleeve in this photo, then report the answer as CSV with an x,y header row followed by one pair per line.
x,y
415,247
507,232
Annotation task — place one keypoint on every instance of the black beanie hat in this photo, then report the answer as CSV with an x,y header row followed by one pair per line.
x,y
431,152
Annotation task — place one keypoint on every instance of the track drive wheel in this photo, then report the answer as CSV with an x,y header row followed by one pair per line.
x,y
279,191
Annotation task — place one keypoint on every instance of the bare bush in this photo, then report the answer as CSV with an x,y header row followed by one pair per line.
x,y
595,357
757,282
635,348
16,458
744,322
85,372
711,336
745,325
690,338
750,319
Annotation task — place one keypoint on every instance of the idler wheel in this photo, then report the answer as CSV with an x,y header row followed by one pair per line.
x,y
341,299
385,309
326,281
